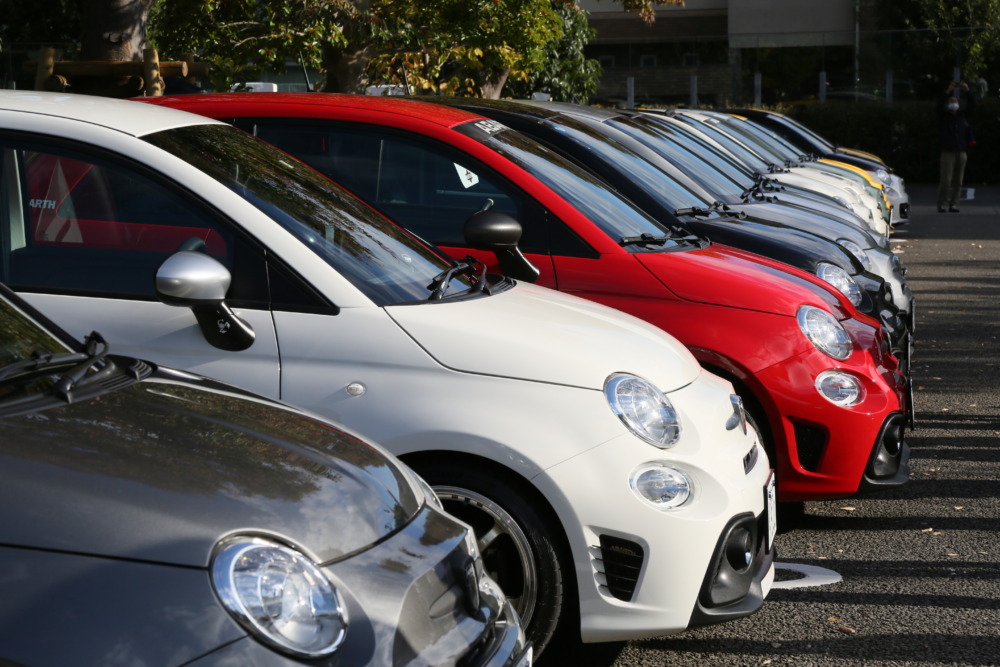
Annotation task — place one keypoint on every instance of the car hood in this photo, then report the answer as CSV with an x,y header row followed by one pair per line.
x,y
725,276
812,221
537,334
161,470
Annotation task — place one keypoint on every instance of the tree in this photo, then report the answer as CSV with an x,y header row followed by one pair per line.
x,y
240,38
937,35
567,74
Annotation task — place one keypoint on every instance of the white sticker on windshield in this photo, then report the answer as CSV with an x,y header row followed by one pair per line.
x,y
467,177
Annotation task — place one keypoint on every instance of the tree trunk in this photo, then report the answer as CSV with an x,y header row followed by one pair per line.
x,y
113,29
492,83
345,70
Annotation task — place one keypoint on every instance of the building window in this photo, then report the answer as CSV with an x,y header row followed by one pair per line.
x,y
606,62
690,60
647,60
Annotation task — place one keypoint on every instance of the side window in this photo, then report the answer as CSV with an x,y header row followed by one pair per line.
x,y
81,223
427,187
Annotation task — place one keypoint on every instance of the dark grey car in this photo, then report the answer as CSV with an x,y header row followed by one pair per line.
x,y
154,517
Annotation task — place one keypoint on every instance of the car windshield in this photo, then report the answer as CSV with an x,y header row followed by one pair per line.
x,y
824,144
710,167
28,354
738,149
613,214
382,260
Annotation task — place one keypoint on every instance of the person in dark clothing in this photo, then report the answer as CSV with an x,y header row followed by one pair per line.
x,y
955,139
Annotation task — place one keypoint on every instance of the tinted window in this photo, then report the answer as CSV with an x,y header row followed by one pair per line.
x,y
82,222
423,185
379,258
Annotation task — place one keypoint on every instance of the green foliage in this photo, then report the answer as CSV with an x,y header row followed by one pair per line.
x,y
943,34
566,73
905,135
239,38
461,46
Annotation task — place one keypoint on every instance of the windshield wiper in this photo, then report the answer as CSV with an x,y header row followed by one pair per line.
x,y
439,285
82,362
696,211
645,239
64,385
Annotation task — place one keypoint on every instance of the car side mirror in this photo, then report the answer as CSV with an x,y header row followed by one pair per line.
x,y
194,280
499,233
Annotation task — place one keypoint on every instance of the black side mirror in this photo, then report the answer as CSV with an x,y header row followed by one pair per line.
x,y
194,280
499,233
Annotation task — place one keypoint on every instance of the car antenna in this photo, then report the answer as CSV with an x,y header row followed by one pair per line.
x,y
305,72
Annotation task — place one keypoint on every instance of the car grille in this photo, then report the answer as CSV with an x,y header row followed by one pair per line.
x,y
621,562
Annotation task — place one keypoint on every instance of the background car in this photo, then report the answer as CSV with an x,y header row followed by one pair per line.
x,y
150,516
811,143
582,444
815,374
670,181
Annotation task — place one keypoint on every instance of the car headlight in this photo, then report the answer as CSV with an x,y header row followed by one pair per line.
x,y
841,280
824,331
857,251
883,175
279,596
839,388
643,409
662,486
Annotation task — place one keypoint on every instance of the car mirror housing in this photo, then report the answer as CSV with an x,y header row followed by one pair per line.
x,y
499,233
190,279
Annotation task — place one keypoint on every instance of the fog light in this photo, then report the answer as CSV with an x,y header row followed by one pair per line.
x,y
662,486
839,388
739,549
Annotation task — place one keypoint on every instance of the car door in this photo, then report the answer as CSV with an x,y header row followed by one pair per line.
x,y
83,233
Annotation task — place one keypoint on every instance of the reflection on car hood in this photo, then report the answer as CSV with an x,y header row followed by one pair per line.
x,y
733,278
533,333
161,470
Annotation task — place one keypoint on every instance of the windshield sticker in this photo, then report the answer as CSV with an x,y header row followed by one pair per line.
x,y
467,177
490,126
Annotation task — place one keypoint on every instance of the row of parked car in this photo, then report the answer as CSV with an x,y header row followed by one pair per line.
x,y
594,348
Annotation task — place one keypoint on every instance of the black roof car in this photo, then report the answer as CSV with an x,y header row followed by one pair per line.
x,y
151,516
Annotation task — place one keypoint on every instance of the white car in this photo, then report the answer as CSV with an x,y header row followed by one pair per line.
x,y
613,484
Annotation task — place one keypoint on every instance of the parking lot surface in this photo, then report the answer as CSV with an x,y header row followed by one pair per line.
x,y
910,577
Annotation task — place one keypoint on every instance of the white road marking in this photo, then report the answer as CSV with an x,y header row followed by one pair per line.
x,y
814,576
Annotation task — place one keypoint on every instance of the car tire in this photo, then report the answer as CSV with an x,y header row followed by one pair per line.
x,y
518,543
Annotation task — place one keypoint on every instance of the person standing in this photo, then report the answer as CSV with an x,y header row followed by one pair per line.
x,y
955,138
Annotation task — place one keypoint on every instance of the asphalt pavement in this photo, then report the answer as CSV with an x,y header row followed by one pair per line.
x,y
909,577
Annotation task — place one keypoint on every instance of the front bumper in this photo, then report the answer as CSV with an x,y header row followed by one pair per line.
x,y
824,451
640,570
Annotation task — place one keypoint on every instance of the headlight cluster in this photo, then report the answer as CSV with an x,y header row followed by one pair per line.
x,y
279,596
857,251
824,331
643,409
841,280
883,176
839,388
661,486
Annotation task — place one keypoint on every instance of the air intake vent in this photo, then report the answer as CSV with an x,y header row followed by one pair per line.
x,y
809,443
622,560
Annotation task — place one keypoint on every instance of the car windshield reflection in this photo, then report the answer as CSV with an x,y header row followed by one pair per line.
x,y
379,258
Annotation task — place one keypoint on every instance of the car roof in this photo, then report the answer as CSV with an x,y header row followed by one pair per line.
x,y
121,115
278,104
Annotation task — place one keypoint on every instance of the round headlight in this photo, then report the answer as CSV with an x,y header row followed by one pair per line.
x,y
857,251
841,280
839,388
883,175
824,331
643,409
661,486
279,596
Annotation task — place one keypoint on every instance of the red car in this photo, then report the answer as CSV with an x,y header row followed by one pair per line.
x,y
814,373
